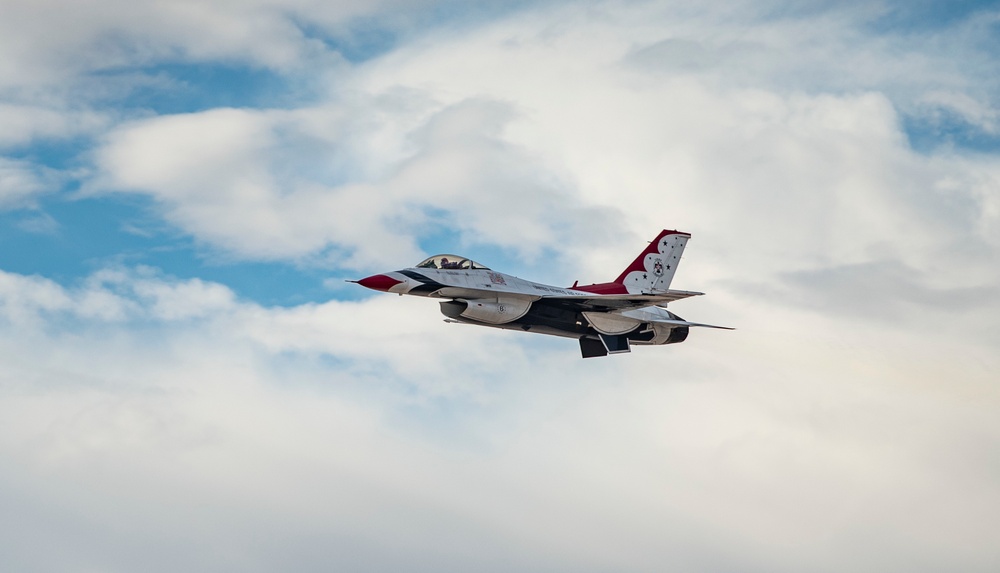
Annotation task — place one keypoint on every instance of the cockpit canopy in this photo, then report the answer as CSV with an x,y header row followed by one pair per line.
x,y
450,262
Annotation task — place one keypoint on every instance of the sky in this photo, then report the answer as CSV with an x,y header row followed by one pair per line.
x,y
187,382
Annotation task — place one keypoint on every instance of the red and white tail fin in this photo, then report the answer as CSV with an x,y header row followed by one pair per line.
x,y
654,268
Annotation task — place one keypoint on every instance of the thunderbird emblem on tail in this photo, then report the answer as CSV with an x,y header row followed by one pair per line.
x,y
606,318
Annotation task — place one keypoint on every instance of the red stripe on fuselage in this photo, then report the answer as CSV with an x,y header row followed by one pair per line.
x,y
603,288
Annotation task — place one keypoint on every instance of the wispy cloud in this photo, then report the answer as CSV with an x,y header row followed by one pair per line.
x,y
21,182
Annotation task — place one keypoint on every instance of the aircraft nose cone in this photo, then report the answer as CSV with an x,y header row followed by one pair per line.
x,y
379,282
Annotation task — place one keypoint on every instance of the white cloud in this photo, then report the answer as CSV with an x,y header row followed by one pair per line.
x,y
216,175
27,295
54,41
966,107
24,124
21,181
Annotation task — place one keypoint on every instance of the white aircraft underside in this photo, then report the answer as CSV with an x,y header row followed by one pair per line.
x,y
607,318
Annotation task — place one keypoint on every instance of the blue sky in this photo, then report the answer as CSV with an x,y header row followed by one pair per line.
x,y
185,187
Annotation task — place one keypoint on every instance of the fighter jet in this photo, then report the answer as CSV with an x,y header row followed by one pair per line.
x,y
607,318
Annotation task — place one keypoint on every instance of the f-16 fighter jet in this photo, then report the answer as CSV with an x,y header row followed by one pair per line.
x,y
606,318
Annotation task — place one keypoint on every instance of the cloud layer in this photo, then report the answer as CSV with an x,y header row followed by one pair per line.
x,y
330,432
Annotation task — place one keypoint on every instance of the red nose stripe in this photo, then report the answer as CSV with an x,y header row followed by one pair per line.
x,y
379,282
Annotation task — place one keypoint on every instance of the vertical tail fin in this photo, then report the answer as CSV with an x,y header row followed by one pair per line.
x,y
654,268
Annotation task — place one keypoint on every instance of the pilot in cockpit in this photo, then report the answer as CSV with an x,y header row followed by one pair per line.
x,y
445,264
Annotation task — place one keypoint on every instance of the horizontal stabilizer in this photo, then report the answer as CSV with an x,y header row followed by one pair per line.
x,y
686,323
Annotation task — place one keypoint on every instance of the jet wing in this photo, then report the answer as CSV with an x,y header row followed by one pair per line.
x,y
619,301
